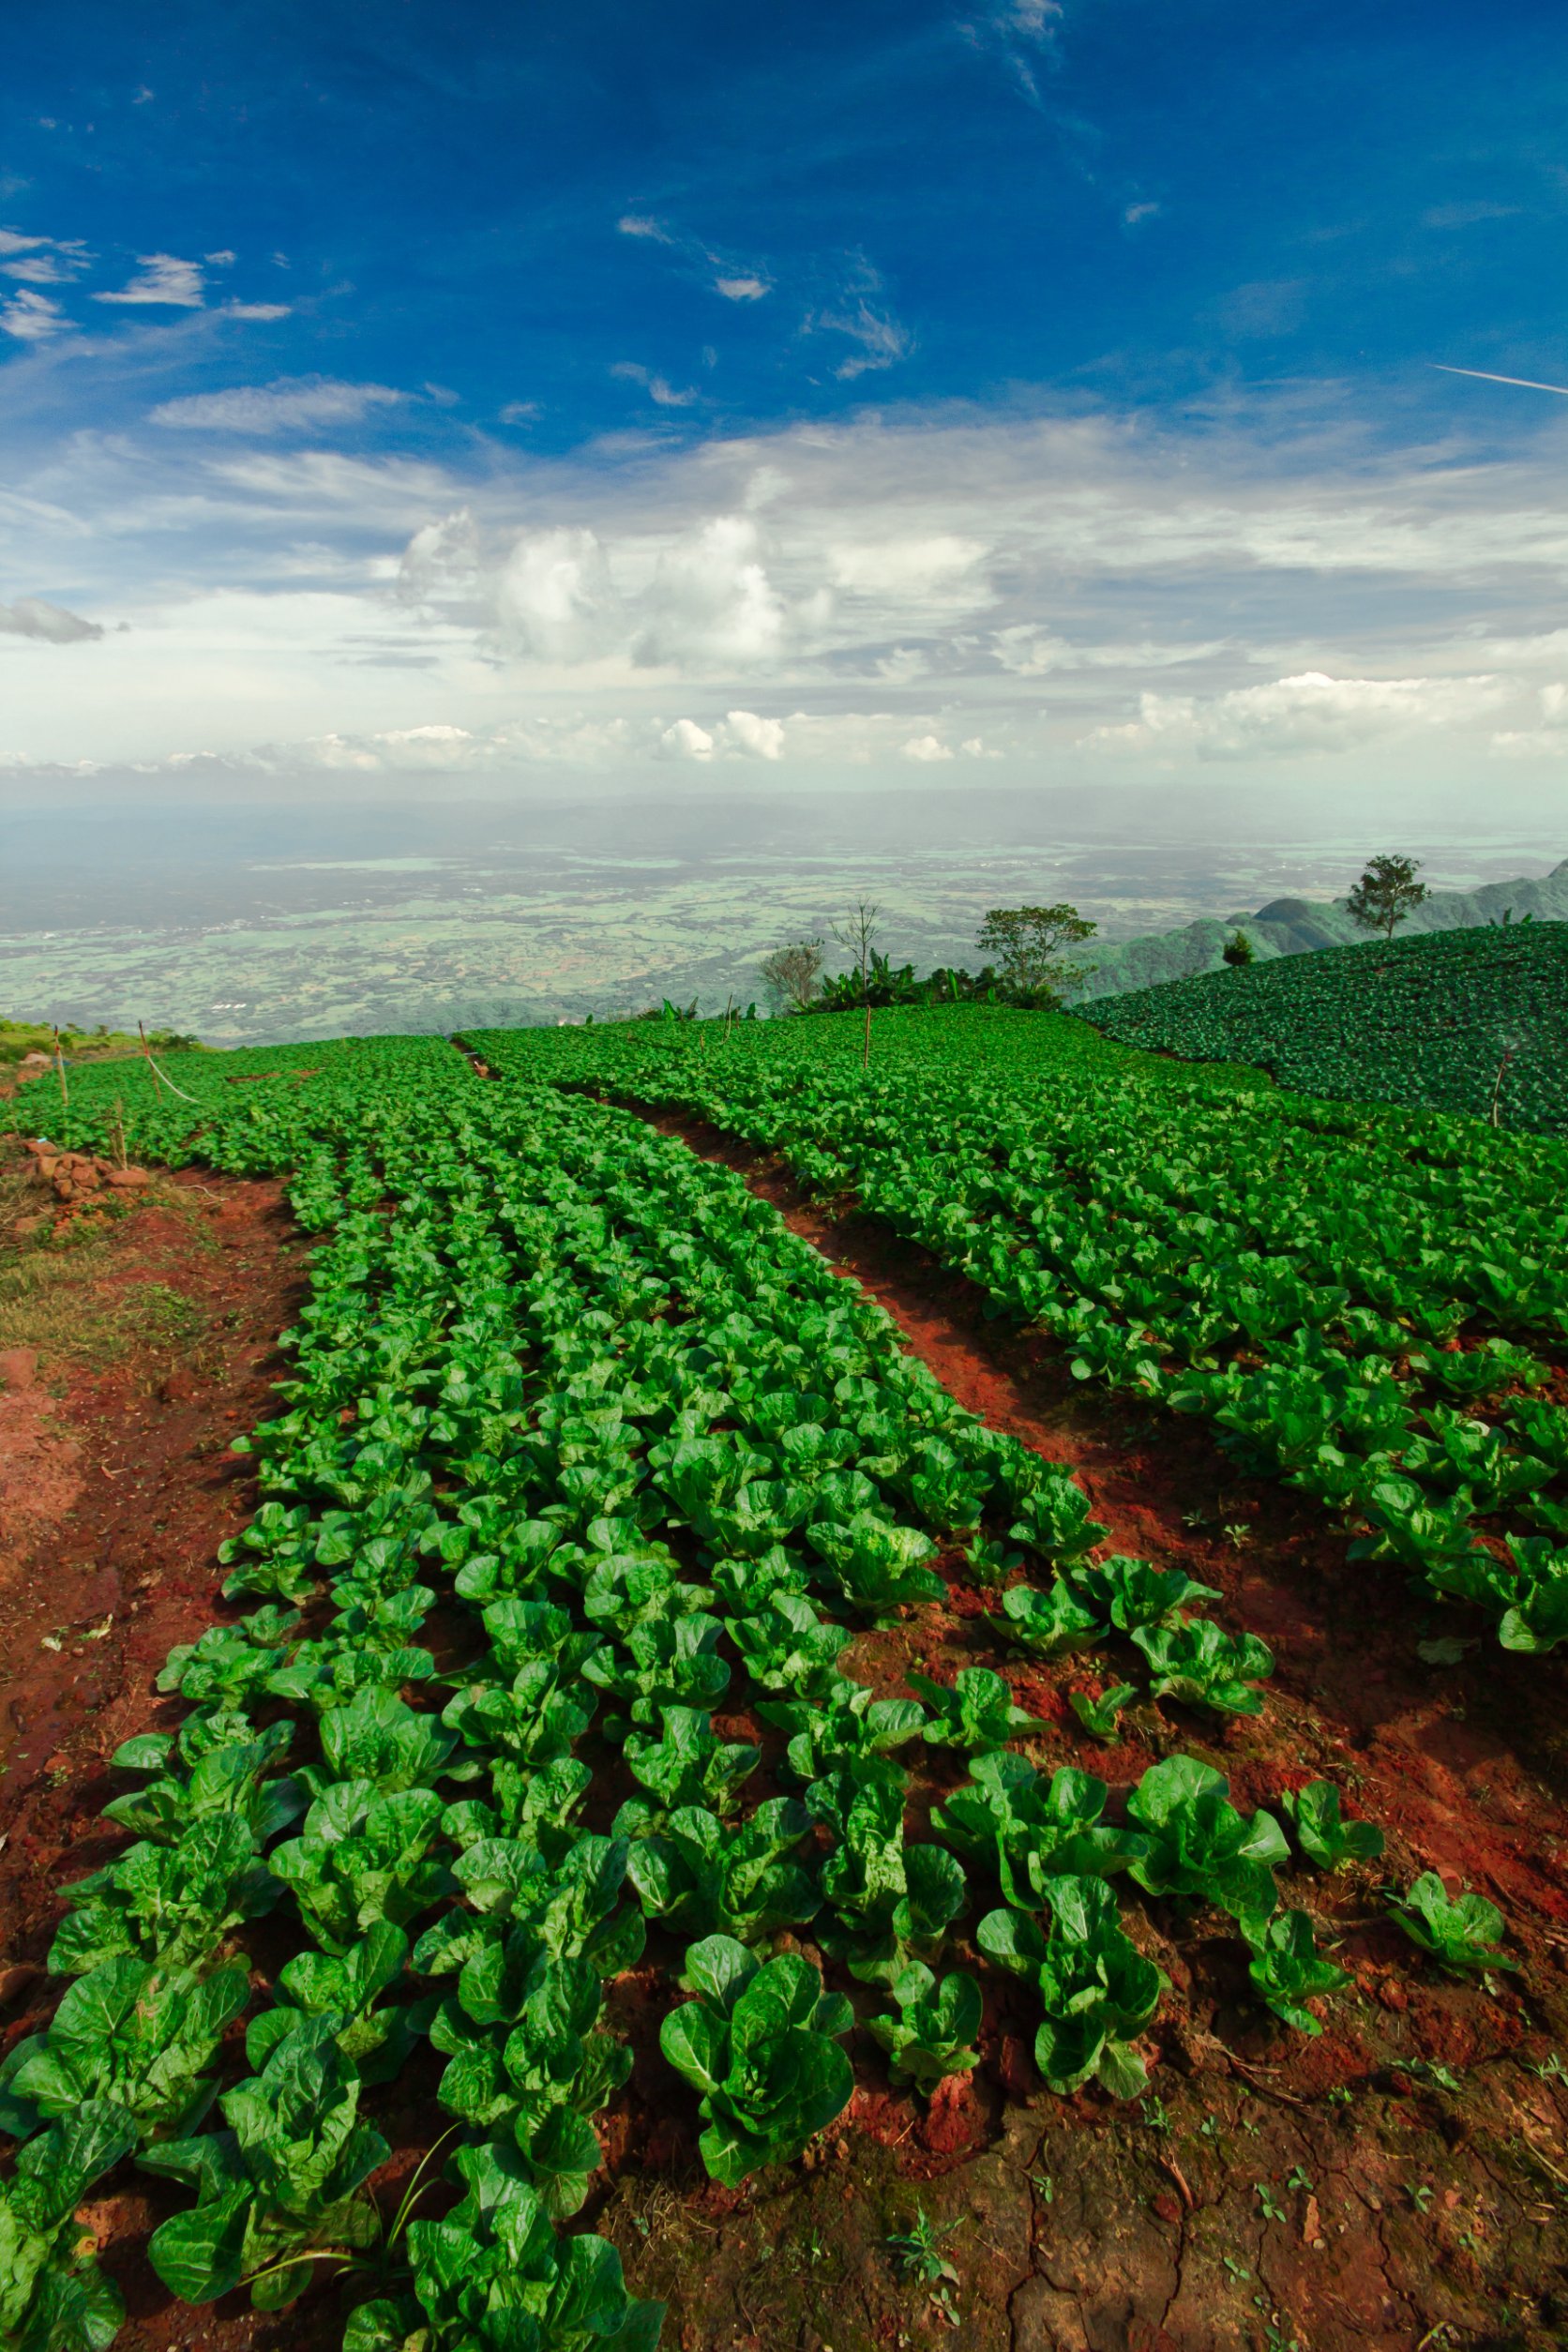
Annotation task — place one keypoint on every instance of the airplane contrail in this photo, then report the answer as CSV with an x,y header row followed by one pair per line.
x,y
1525,383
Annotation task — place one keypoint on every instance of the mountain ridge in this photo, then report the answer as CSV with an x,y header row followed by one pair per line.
x,y
1300,927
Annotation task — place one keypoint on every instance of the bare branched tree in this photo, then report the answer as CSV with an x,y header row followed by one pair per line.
x,y
856,933
790,974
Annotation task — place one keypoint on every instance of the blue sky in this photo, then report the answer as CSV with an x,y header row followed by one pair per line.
x,y
853,390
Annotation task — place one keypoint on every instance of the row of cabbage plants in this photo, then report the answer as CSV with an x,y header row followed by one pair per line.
x,y
1369,1305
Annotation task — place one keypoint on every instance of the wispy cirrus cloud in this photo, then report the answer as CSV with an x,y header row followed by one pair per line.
x,y
659,389
165,280
33,318
288,404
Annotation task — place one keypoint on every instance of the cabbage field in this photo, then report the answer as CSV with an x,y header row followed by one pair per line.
x,y
581,1449
1472,1020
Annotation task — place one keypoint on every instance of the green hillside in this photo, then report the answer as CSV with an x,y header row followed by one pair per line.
x,y
1300,927
1427,1022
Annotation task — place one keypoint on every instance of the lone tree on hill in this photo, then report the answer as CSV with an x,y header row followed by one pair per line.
x,y
1026,942
1238,949
1387,892
790,974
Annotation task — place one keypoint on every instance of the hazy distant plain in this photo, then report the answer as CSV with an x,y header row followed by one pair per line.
x,y
245,926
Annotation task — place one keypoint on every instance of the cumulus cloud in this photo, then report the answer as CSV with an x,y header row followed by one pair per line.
x,y
288,404
556,600
924,749
711,601
165,280
751,737
30,616
1309,714
742,288
441,562
638,224
686,740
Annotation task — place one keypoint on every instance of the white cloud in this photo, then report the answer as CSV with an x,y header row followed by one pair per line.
x,y
883,342
222,260
257,309
924,749
873,582
1548,739
165,280
742,288
520,413
30,616
33,318
39,269
12,241
441,562
711,602
1133,214
754,738
288,404
1306,714
638,224
686,740
556,602
659,388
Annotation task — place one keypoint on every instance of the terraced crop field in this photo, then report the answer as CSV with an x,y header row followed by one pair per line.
x,y
1472,1021
879,1708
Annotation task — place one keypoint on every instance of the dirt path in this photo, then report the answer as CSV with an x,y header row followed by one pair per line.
x,y
158,1342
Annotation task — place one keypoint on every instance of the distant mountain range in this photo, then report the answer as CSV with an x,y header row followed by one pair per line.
x,y
1295,927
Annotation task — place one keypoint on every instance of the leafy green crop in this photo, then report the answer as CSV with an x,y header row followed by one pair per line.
x,y
1322,1836
701,1878
1205,1666
128,2035
1048,1622
281,2183
1032,1830
760,2044
493,2277
345,1988
1286,1969
931,2031
976,1713
1460,1931
1097,1989
170,1905
1198,1847
53,2299
363,1858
